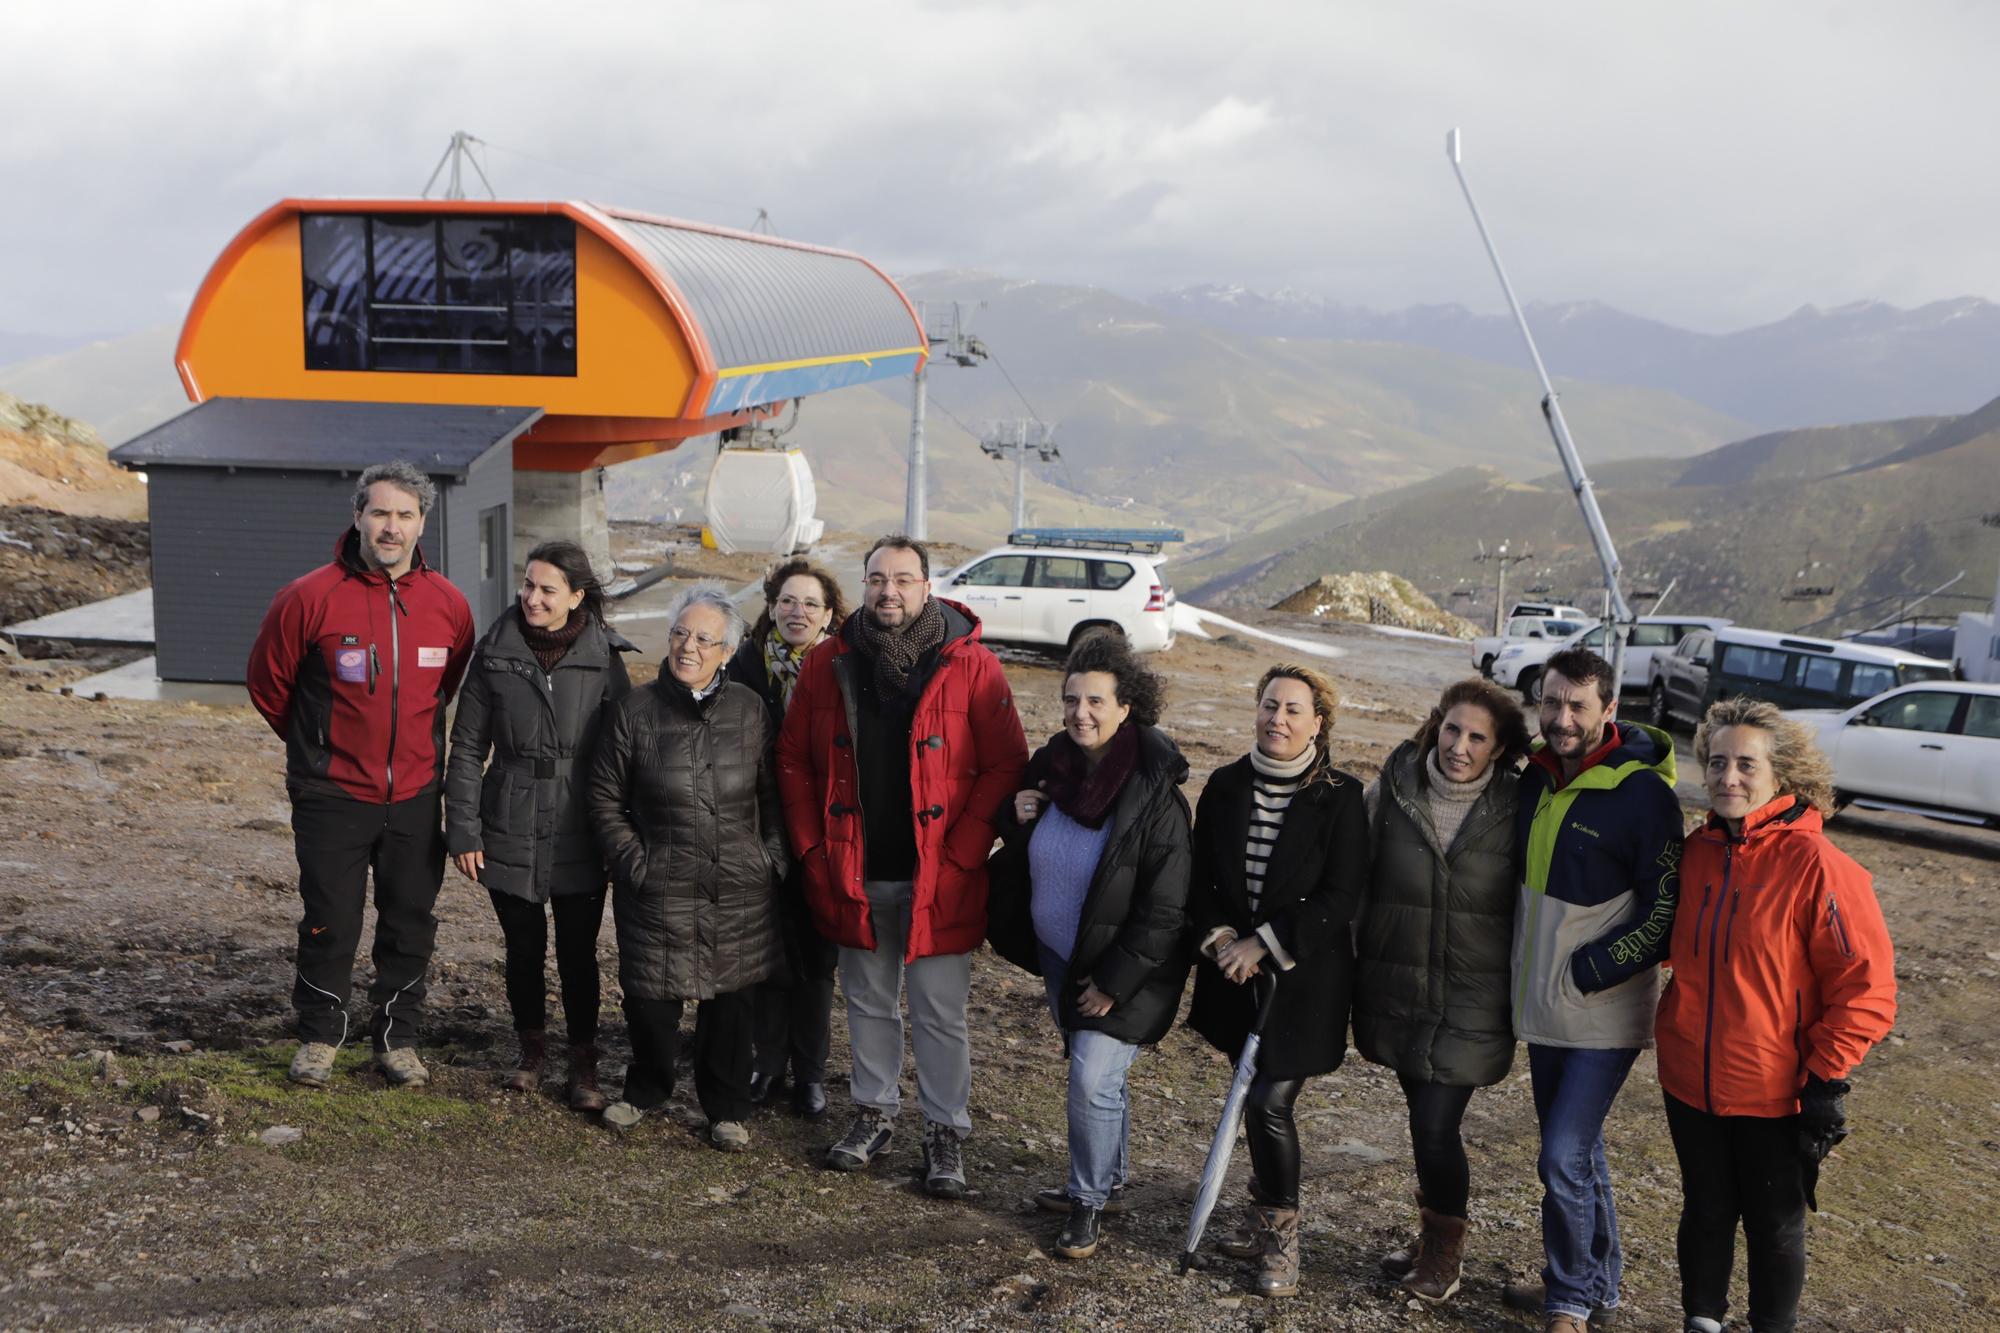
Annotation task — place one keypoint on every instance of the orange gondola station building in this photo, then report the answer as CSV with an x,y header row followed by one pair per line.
x,y
513,349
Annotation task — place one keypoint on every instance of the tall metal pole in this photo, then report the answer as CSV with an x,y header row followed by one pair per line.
x,y
1619,611
915,519
1021,487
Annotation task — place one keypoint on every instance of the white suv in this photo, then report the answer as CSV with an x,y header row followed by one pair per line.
x,y
1050,586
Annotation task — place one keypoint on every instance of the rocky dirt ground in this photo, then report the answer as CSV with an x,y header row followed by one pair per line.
x,y
51,561
157,1171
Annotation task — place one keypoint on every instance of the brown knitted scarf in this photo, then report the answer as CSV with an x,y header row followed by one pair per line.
x,y
895,652
548,646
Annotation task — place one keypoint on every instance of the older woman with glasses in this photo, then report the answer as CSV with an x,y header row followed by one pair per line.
x,y
795,1006
684,799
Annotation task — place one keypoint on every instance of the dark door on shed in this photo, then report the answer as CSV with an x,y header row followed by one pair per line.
x,y
495,562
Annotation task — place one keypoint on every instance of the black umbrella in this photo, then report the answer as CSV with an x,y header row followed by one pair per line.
x,y
1232,1117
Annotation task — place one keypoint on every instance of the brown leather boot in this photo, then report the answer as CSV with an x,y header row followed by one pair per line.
x,y
1278,1274
1247,1240
583,1093
526,1075
1440,1257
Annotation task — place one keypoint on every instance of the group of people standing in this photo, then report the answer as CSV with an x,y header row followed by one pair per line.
x,y
822,796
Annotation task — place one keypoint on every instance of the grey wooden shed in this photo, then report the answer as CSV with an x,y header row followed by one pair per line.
x,y
247,494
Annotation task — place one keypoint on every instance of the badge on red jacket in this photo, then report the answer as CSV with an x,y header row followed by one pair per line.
x,y
433,658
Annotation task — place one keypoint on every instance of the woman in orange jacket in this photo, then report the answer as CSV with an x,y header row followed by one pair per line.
x,y
1783,978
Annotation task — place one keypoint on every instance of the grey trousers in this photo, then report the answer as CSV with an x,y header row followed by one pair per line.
x,y
938,987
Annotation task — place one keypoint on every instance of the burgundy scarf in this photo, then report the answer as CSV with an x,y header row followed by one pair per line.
x,y
548,646
1083,793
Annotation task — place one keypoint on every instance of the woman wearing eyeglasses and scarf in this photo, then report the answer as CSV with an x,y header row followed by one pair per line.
x,y
794,1007
684,798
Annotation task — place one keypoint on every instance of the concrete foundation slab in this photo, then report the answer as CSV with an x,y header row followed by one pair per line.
x,y
140,680
116,622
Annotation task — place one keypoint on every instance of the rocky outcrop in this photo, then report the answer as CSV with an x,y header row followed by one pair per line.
x,y
53,462
1380,598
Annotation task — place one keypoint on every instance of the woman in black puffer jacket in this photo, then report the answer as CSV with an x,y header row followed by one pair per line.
x,y
1089,892
1437,930
535,697
685,802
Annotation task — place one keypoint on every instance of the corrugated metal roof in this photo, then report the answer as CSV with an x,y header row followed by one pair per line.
x,y
772,305
441,439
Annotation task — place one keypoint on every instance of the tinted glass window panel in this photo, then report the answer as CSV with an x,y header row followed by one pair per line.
x,y
1062,571
1923,710
1912,675
474,255
1760,664
333,255
1982,717
1653,636
1870,680
1110,575
1002,571
1822,673
406,260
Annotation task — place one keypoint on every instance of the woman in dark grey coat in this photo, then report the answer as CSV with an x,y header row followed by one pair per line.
x,y
1431,996
795,1006
1280,860
534,698
1089,892
684,798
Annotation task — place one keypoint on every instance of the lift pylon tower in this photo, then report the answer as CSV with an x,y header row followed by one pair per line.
x,y
457,153
1020,437
946,329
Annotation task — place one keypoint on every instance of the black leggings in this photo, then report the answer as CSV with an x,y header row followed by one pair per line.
x,y
1274,1140
1436,1111
526,928
1740,1168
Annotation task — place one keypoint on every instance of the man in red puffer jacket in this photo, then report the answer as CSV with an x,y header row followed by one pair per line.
x,y
900,746
353,667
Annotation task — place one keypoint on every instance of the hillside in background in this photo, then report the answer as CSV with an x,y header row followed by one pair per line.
x,y
1863,362
49,461
1877,512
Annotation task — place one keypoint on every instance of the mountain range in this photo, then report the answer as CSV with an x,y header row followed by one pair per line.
x,y
1868,361
1828,529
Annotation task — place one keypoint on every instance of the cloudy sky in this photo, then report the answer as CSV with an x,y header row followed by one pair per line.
x,y
1712,164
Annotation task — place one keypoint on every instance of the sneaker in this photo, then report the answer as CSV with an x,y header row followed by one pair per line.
x,y
1057,1200
1702,1324
944,1164
1080,1234
866,1139
402,1068
622,1115
1530,1296
729,1136
313,1065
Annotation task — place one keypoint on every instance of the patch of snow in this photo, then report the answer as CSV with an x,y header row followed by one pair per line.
x,y
1195,620
12,540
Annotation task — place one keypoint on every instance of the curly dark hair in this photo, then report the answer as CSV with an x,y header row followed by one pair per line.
x,y
1137,686
1580,666
1510,727
774,579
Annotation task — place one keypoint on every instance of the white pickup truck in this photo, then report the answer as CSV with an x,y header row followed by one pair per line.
x,y
1529,621
1519,665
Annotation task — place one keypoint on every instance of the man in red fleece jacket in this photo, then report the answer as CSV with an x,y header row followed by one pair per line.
x,y
353,667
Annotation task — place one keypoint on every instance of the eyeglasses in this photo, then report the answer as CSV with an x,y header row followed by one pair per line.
x,y
794,604
902,582
678,635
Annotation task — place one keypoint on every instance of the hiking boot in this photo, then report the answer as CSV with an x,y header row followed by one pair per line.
x,y
622,1115
944,1163
526,1076
866,1139
313,1065
1440,1258
402,1068
1080,1234
1278,1271
1565,1323
1251,1235
1398,1263
809,1100
1529,1297
581,1086
1057,1200
728,1135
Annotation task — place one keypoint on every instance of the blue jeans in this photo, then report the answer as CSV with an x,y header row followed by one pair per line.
x,y
1100,1112
1574,1089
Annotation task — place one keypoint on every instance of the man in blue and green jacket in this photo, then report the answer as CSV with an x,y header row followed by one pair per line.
x,y
1600,840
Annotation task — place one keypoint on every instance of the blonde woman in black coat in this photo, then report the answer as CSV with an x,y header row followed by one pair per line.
x,y
1280,861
